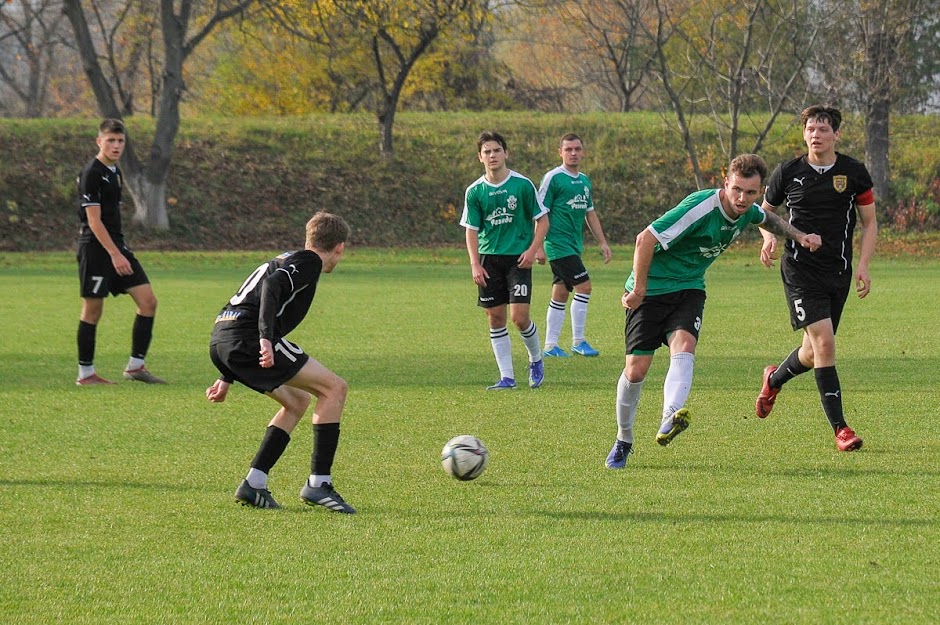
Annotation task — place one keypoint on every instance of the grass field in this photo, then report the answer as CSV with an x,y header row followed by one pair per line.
x,y
116,503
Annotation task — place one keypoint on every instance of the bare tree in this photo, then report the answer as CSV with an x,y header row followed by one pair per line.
x,y
30,33
613,33
877,56
742,64
147,180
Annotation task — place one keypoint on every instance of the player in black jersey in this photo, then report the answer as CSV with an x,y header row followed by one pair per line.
x,y
826,192
248,345
105,264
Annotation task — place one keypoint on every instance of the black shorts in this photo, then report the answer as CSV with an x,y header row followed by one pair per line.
x,y
569,270
812,296
650,325
96,274
238,359
507,284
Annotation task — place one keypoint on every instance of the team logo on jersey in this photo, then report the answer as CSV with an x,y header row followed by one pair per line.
x,y
840,183
578,202
511,202
713,252
499,216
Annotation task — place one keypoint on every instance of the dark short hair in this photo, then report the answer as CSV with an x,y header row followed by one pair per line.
x,y
822,113
325,231
570,137
490,135
748,166
115,126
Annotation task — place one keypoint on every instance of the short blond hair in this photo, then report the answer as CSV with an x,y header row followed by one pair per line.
x,y
325,231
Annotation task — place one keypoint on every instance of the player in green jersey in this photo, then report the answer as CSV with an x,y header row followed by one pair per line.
x,y
505,226
566,192
665,294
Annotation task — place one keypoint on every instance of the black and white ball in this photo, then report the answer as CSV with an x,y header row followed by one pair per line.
x,y
464,457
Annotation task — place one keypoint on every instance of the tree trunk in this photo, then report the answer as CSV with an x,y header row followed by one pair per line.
x,y
880,47
149,200
387,125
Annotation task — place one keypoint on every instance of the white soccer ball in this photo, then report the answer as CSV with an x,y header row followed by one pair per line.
x,y
464,457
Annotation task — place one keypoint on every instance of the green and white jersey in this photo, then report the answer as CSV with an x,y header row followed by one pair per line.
x,y
502,214
691,236
568,197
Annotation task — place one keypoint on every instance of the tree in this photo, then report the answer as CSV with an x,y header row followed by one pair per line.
x,y
394,33
147,180
878,55
30,33
741,63
610,48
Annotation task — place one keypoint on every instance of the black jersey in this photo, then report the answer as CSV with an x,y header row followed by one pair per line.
x,y
823,204
273,300
99,184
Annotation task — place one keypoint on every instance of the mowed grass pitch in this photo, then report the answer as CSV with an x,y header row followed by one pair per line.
x,y
116,503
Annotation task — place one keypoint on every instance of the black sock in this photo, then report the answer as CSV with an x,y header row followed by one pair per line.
x,y
86,342
140,338
830,394
788,369
325,441
272,446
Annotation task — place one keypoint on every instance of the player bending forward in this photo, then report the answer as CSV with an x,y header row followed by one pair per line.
x,y
248,345
665,293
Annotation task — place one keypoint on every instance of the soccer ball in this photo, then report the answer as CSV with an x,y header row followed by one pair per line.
x,y
464,457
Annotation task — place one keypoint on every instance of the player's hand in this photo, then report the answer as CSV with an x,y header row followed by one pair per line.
x,y
479,274
768,252
812,242
862,283
218,391
540,256
267,354
631,300
605,252
121,265
527,259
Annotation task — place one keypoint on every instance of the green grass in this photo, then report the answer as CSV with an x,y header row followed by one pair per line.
x,y
116,503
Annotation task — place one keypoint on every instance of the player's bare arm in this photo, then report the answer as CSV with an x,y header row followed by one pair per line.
x,y
778,226
642,258
530,256
866,215
473,250
768,250
121,265
594,225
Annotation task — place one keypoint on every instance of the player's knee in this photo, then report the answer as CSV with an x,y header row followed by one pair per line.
x,y
148,306
340,388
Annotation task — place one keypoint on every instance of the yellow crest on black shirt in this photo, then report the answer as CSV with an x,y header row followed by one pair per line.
x,y
840,183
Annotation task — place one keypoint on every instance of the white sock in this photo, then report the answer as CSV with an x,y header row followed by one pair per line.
x,y
85,370
530,337
628,397
677,385
554,320
579,308
502,349
317,481
257,479
134,363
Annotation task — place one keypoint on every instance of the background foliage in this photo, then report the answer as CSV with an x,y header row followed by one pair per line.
x,y
249,183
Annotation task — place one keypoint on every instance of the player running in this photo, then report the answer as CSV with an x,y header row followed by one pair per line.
x,y
827,192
